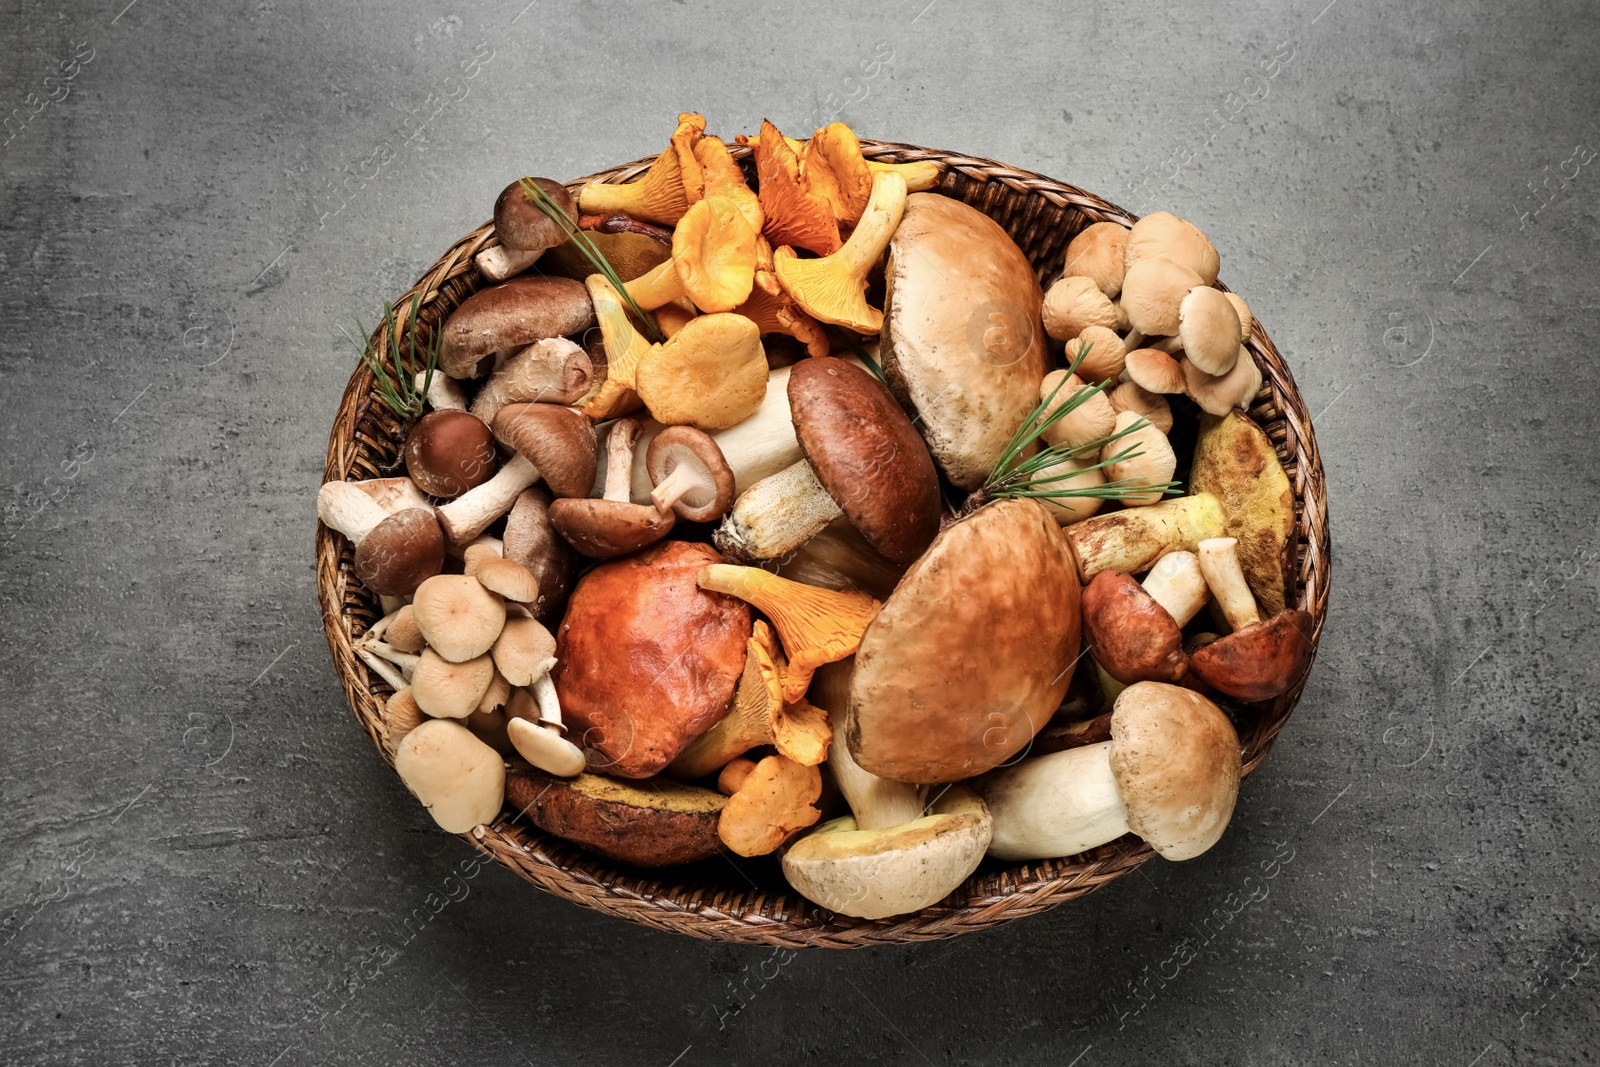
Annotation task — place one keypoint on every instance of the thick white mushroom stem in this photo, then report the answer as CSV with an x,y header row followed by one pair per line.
x,y
1177,583
1219,559
469,514
673,486
345,507
1056,805
543,743
502,261
777,515
444,392
619,459
877,803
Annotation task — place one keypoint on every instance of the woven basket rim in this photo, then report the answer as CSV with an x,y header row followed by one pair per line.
x,y
1047,212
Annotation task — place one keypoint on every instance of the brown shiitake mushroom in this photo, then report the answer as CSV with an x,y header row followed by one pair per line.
x,y
449,452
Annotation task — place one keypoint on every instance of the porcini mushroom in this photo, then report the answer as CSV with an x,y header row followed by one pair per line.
x,y
1235,461
405,548
773,802
864,458
458,617
509,315
816,625
612,525
833,288
524,231
1136,631
458,778
888,857
552,371
1169,774
658,196
690,474
1133,539
1259,659
1097,253
961,346
712,374
450,452
655,823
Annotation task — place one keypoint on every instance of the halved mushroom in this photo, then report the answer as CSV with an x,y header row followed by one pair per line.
x,y
509,315
655,823
394,553
961,346
772,803
1259,659
458,778
690,474
450,452
612,525
1170,774
458,617
833,288
928,701
888,857
524,231
552,371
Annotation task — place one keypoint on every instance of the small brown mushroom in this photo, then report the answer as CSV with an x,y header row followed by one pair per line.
x,y
1220,394
401,550
1162,235
1155,371
509,315
1131,396
612,525
1259,660
449,452
1208,329
689,473
1136,631
532,541
525,232
552,371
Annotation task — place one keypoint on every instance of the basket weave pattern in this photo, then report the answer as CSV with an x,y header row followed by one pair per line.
x,y
720,902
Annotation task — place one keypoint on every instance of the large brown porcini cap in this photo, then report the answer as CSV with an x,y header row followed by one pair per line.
x,y
513,313
519,223
973,651
558,440
866,453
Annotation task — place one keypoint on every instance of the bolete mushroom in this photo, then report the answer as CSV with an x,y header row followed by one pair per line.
x,y
1169,774
833,288
690,474
449,452
647,660
864,458
973,651
458,778
1259,659
772,803
612,525
394,553
509,315
961,346
655,823
523,230
457,616
888,857
1135,631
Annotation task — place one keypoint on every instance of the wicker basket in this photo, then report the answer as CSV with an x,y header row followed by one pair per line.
x,y
747,901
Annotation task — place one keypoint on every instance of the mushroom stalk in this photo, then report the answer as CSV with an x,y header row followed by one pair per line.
x,y
406,661
544,743
444,392
501,261
777,515
1134,539
544,694
1219,560
469,514
620,449
343,506
1178,584
1056,805
877,803
396,680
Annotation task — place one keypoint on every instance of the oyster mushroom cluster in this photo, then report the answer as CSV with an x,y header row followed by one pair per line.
x,y
768,509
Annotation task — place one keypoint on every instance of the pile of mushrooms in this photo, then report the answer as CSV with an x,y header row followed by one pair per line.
x,y
674,561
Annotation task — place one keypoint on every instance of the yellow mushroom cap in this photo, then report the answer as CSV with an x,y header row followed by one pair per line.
x,y
832,167
624,345
711,374
772,802
659,195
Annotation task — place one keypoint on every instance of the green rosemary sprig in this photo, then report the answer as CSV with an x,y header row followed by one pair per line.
x,y
593,254
399,390
1017,475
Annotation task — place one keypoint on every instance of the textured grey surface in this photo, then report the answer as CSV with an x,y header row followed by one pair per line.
x,y
203,860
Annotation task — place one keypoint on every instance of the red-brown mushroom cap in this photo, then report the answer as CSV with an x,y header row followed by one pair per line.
x,y
401,553
517,312
1132,636
520,224
450,451
867,455
602,529
1260,661
558,440
686,463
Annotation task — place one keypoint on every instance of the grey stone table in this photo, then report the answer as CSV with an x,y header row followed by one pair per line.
x,y
203,860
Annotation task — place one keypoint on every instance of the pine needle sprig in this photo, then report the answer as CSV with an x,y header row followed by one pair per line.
x,y
395,368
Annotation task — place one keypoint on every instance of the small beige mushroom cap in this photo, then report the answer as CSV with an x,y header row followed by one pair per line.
x,y
1246,319
1154,464
524,650
449,690
1176,760
1131,396
1208,327
403,633
458,778
1072,474
545,748
458,617
510,579
1155,371
1162,235
1151,293
1085,424
1072,304
873,874
1105,356
400,716
1220,394
1098,253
